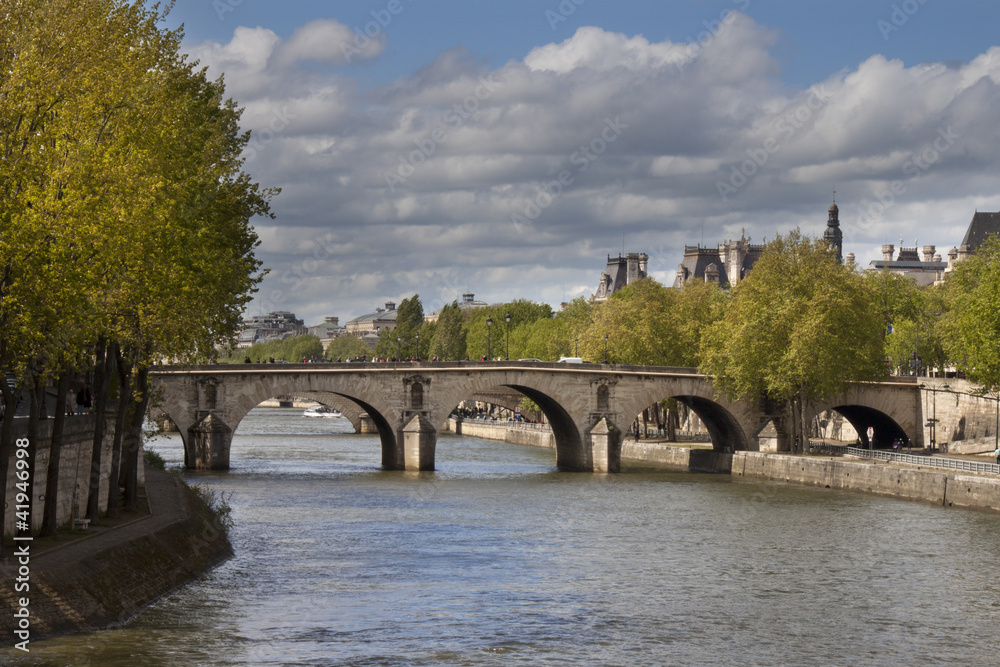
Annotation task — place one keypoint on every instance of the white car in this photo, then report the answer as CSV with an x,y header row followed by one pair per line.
x,y
570,360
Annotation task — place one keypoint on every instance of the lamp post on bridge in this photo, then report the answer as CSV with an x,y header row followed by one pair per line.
x,y
399,348
605,348
506,318
489,338
576,347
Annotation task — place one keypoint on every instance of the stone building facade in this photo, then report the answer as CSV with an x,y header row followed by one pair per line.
x,y
619,272
726,264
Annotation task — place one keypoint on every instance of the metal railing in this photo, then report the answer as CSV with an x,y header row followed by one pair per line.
x,y
912,459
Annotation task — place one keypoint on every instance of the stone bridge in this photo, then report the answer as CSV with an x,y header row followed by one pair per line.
x,y
585,404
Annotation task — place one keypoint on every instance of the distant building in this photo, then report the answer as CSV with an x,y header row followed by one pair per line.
x,y
982,226
833,235
621,271
726,264
468,302
273,326
330,327
326,331
923,271
370,326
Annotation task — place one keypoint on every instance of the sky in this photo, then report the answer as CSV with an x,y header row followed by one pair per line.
x,y
435,147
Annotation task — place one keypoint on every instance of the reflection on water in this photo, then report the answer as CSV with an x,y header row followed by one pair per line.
x,y
497,558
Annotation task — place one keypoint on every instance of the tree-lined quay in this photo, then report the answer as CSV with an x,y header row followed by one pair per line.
x,y
125,234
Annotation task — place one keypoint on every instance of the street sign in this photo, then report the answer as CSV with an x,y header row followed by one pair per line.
x,y
871,432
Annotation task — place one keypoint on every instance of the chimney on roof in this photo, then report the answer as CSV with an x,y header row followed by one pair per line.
x,y
390,305
928,251
332,320
887,251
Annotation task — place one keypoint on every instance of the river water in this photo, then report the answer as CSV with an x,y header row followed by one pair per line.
x,y
497,558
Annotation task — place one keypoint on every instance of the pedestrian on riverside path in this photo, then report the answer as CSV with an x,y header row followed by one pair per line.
x,y
996,453
81,398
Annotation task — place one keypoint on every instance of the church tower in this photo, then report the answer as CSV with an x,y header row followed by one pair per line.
x,y
833,235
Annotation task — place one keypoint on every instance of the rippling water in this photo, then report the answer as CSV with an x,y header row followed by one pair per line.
x,y
497,558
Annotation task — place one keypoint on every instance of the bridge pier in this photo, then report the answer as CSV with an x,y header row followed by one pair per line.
x,y
419,438
605,441
207,445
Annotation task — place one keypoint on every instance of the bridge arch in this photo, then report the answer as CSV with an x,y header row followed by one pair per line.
x,y
207,429
894,411
728,424
566,430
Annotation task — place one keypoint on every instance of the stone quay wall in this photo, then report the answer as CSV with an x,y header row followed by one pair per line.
x,y
510,433
74,467
925,484
109,578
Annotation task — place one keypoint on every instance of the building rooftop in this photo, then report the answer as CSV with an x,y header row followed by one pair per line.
x,y
983,225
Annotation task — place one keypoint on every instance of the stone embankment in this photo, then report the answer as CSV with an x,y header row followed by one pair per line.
x,y
109,578
908,482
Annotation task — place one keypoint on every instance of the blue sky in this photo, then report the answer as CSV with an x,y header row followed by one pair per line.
x,y
874,84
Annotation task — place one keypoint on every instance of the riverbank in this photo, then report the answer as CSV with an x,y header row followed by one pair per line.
x,y
884,478
108,578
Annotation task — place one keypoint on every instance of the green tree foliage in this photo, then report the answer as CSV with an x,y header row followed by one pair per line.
x,y
975,315
799,327
550,338
124,211
293,349
448,343
647,323
482,337
347,347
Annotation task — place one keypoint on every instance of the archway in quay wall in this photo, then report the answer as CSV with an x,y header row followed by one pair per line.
x,y
885,427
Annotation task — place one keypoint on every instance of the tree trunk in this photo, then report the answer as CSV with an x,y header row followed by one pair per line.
x,y
50,520
102,373
133,440
10,398
124,404
36,396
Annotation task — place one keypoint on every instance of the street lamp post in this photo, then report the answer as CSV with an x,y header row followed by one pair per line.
x,y
489,338
605,348
417,355
506,318
399,348
576,347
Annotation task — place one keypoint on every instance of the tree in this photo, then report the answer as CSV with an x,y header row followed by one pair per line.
x,y
799,327
649,324
482,337
346,347
975,321
449,338
125,212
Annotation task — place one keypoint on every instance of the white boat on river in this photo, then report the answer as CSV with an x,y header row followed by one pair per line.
x,y
322,411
